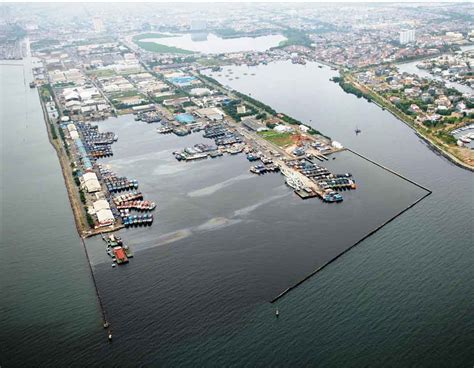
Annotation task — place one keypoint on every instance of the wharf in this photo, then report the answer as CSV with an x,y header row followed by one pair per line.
x,y
303,194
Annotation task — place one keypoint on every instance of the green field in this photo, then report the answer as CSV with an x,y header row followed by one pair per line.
x,y
279,139
101,72
156,47
141,36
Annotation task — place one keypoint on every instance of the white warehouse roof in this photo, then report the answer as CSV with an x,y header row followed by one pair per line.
x,y
91,182
101,204
105,217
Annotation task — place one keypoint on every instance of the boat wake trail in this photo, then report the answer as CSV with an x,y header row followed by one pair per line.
x,y
216,223
206,191
247,210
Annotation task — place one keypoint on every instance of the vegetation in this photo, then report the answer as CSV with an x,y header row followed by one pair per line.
x,y
53,131
349,88
445,137
142,36
210,61
156,47
46,92
89,218
295,37
231,110
101,72
82,196
279,139
45,43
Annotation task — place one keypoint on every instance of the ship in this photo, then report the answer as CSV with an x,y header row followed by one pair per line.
x,y
120,256
116,249
292,179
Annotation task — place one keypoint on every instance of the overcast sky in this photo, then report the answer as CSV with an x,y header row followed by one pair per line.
x,y
239,1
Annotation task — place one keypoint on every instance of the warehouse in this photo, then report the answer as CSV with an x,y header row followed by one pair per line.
x,y
90,182
102,210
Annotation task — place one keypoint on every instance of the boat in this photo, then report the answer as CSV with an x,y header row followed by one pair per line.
x,y
332,196
120,256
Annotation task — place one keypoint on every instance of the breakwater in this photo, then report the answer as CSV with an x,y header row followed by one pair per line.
x,y
428,192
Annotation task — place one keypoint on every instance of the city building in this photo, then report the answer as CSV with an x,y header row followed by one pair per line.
x,y
407,36
98,25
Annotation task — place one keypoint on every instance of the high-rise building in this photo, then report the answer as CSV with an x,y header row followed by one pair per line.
x,y
98,24
407,36
198,25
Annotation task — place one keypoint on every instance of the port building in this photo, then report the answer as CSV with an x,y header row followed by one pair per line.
x,y
254,125
91,183
104,214
211,113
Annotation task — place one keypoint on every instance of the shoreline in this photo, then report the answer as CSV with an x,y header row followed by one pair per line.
x,y
80,221
389,107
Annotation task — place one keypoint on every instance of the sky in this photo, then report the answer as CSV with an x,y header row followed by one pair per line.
x,y
235,1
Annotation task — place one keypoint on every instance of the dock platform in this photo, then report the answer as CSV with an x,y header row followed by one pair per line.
x,y
303,194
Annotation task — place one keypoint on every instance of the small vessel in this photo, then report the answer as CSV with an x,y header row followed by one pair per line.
x,y
357,131
113,265
277,313
109,336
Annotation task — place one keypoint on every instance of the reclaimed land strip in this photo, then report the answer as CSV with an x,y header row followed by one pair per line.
x,y
428,192
75,206
81,223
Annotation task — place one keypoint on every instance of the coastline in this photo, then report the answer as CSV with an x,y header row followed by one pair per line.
x,y
82,226
390,108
